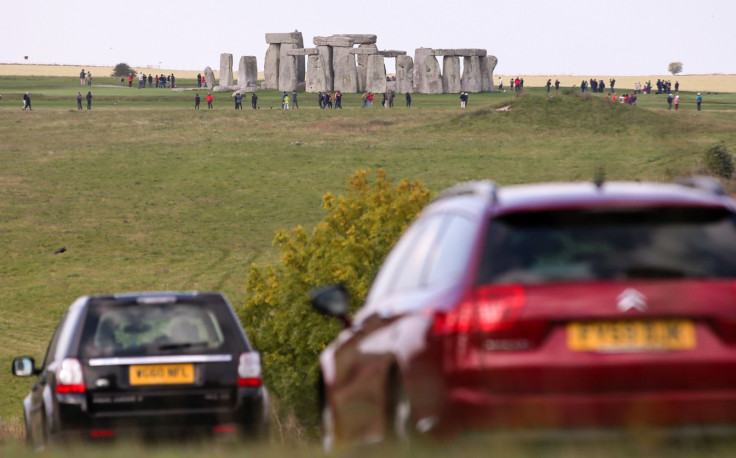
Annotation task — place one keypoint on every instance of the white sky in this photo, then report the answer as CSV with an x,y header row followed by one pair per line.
x,y
578,37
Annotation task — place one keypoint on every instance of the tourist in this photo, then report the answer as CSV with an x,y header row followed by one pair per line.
x,y
150,80
254,101
328,100
371,96
238,101
384,100
89,78
82,77
699,100
89,100
209,101
462,100
364,98
130,80
294,101
204,81
287,100
408,100
196,101
613,84
338,100
26,101
669,101
500,84
391,99
79,100
549,85
557,86
677,102
199,80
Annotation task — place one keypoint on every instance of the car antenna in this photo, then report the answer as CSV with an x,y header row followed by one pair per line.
x,y
600,177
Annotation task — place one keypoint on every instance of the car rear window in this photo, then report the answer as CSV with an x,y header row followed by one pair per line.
x,y
130,329
602,244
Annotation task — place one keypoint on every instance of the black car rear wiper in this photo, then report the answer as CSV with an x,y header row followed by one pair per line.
x,y
181,346
652,271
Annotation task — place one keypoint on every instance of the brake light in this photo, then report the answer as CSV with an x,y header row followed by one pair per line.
x,y
102,433
487,308
249,369
70,377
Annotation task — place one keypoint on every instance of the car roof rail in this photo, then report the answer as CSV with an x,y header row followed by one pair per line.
x,y
481,188
702,182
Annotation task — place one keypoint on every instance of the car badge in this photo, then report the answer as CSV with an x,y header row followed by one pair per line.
x,y
631,299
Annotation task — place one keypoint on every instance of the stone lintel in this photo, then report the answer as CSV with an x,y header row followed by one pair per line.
x,y
364,51
278,38
360,38
392,53
302,52
466,52
339,41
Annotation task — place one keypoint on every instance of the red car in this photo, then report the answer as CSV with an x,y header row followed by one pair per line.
x,y
550,307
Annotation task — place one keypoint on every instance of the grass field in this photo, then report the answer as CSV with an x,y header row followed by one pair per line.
x,y
147,194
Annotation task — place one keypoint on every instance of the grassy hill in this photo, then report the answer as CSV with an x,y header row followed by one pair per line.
x,y
147,194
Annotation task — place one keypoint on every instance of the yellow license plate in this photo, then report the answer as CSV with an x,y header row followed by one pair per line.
x,y
606,336
161,374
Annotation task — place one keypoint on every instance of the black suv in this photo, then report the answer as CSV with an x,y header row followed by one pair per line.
x,y
153,365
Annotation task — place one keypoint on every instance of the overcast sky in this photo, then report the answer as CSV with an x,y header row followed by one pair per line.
x,y
579,37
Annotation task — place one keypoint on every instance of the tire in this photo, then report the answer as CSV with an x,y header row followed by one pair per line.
x,y
399,415
328,428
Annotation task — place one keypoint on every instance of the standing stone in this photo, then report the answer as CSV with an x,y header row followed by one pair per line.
x,y
316,74
451,81
346,73
226,69
300,61
287,68
376,74
487,65
248,72
427,76
404,74
209,78
471,74
271,66
362,67
325,53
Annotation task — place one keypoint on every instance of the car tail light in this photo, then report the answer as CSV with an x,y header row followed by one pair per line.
x,y
224,429
70,377
487,308
102,433
249,369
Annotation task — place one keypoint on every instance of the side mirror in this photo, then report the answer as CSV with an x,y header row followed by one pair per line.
x,y
333,301
24,366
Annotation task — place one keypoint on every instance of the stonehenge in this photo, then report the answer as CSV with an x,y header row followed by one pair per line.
x,y
352,63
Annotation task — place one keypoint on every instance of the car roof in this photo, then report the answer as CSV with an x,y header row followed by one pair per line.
x,y
487,197
609,194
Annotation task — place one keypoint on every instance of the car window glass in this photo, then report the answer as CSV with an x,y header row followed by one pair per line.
x,y
591,245
152,329
409,273
395,259
453,250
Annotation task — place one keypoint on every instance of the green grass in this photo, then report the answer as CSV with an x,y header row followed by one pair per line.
x,y
148,194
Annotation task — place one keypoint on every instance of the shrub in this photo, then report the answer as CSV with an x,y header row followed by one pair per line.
x,y
123,69
719,161
347,246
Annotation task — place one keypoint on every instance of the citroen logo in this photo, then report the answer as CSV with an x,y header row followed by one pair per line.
x,y
631,299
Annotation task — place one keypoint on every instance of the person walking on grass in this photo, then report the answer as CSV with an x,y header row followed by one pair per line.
x,y
26,102
294,100
79,100
670,98
89,100
209,101
196,101
677,102
699,100
254,101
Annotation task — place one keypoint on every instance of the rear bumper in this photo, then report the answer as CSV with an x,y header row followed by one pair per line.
x,y
248,418
697,411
